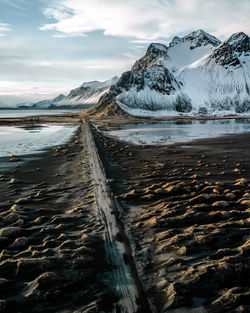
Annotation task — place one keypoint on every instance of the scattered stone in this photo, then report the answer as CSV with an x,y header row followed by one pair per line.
x,y
15,208
236,170
23,200
12,181
14,158
181,251
3,281
2,305
246,195
245,202
241,182
11,218
20,243
10,231
230,196
221,204
194,176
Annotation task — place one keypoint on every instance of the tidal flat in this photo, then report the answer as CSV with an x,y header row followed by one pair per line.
x,y
52,245
184,211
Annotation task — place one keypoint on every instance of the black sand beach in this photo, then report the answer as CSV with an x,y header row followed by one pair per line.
x,y
52,248
184,209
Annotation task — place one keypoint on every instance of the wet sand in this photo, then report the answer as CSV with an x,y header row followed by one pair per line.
x,y
52,245
186,210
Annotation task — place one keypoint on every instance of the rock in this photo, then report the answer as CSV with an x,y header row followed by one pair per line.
x,y
203,198
11,218
3,282
245,202
152,222
221,204
246,195
15,208
34,265
10,231
241,182
23,200
12,181
47,280
230,195
194,176
231,298
14,158
20,243
181,251
236,170
2,305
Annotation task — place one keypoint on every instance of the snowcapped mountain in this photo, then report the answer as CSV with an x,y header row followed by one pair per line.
x,y
195,73
48,103
89,92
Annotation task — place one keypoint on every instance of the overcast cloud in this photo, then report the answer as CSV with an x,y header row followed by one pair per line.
x,y
51,46
147,19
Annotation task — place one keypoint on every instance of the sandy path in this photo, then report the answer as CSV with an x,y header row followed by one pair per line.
x,y
124,278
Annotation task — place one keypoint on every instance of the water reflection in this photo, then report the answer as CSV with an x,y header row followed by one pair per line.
x,y
26,140
168,132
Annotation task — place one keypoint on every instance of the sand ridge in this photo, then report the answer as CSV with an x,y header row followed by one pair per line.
x,y
187,212
52,246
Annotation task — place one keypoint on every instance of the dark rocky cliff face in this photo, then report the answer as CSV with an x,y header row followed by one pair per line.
x,y
154,84
228,53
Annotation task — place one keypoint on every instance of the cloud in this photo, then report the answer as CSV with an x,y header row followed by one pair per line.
x,y
4,28
146,19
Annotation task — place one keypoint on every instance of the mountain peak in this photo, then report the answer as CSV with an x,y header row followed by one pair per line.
x,y
236,45
237,37
155,52
196,38
59,98
200,37
239,42
155,47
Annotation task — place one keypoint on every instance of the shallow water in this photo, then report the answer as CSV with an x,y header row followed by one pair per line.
x,y
21,141
24,113
169,132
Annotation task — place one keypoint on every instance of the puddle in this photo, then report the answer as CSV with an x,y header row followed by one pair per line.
x,y
22,141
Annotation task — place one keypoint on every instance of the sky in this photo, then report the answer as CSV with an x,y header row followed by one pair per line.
x,y
49,47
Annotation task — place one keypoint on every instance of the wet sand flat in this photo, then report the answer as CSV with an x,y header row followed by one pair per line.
x,y
52,245
186,211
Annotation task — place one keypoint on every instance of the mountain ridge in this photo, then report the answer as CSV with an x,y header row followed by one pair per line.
x,y
195,73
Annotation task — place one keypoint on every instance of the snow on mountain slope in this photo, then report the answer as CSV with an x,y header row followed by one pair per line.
x,y
186,50
195,73
47,103
88,92
221,80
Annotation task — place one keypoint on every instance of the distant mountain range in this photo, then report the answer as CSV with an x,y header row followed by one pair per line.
x,y
84,96
197,73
